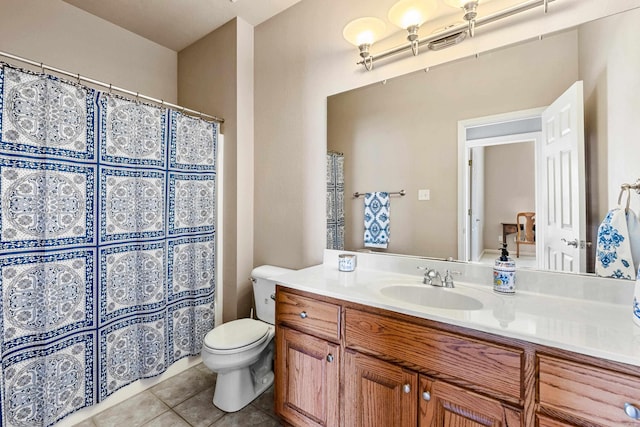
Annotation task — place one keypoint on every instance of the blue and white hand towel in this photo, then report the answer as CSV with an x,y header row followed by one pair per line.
x,y
376,219
614,257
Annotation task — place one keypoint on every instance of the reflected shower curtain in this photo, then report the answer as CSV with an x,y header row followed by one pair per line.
x,y
335,201
107,243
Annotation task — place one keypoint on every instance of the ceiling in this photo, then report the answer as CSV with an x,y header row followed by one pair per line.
x,y
178,23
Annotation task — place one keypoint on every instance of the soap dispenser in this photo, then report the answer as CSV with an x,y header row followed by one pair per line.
x,y
504,273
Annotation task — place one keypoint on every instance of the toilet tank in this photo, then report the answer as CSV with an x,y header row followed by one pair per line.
x,y
264,286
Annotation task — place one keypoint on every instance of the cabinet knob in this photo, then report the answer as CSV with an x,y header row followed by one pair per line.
x,y
329,357
632,411
303,314
406,388
426,396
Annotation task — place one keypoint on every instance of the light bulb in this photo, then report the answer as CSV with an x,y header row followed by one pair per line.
x,y
363,31
411,13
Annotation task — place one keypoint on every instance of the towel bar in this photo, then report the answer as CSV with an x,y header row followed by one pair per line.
x,y
635,186
392,193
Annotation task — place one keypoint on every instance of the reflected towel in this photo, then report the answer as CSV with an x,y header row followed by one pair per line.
x,y
614,257
633,226
376,219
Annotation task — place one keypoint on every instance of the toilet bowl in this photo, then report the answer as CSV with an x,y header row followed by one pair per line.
x,y
241,351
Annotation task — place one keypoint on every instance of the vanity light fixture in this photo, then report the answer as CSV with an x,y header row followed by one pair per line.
x,y
470,8
411,14
362,33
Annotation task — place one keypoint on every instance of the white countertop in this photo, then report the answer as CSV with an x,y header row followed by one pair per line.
x,y
584,324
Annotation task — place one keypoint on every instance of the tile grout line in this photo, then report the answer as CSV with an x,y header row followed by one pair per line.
x,y
170,410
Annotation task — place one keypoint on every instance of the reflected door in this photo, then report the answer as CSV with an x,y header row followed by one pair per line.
x,y
476,215
562,163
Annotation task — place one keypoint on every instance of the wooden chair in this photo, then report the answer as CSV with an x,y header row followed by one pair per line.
x,y
526,230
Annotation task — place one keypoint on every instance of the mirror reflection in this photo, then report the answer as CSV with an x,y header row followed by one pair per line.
x,y
404,134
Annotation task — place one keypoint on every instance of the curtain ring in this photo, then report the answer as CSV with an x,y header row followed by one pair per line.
x,y
110,88
78,78
137,97
41,68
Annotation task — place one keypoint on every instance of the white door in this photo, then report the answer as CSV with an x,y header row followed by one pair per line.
x,y
562,238
477,202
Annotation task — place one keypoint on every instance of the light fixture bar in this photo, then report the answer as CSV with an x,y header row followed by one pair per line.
x,y
488,19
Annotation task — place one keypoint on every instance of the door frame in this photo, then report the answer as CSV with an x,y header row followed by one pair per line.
x,y
464,147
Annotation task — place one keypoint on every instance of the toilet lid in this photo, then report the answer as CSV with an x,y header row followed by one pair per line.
x,y
236,334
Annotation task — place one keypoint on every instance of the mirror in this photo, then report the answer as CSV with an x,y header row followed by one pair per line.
x,y
402,134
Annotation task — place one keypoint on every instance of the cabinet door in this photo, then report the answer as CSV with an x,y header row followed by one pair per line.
x,y
378,394
543,421
445,405
578,391
307,379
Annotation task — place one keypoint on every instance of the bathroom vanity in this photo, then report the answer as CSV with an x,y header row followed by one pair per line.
x,y
376,348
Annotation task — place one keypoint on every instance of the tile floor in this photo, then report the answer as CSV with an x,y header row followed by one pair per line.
x,y
184,400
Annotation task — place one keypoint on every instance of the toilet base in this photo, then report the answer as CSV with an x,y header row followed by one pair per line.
x,y
236,389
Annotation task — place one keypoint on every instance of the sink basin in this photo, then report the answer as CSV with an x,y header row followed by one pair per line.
x,y
432,297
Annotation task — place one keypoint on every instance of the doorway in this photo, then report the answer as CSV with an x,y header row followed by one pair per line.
x,y
498,180
558,132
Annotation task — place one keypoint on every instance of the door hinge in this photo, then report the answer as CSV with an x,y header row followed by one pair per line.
x,y
470,161
469,212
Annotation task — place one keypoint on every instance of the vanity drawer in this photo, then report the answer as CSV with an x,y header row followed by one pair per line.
x,y
586,392
318,318
478,365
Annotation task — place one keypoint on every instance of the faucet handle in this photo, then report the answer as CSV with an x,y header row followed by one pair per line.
x,y
429,275
448,280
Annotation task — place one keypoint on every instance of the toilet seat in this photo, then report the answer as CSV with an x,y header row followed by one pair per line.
x,y
236,336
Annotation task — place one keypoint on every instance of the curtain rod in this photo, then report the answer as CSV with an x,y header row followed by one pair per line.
x,y
111,87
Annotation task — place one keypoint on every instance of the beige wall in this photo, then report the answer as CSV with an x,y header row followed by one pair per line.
x,y
610,60
404,135
297,67
509,182
63,36
215,75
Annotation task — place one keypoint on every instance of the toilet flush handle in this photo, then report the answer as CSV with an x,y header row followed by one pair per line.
x,y
273,297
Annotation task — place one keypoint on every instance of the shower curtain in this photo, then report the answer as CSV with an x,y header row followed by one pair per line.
x,y
107,243
335,201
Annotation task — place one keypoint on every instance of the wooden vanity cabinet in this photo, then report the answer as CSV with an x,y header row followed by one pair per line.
x,y
378,393
307,361
307,386
382,394
580,394
476,364
344,364
443,404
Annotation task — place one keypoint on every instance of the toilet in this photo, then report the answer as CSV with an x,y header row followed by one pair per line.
x,y
241,351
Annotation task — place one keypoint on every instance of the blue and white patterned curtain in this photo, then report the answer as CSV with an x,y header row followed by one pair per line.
x,y
335,201
107,243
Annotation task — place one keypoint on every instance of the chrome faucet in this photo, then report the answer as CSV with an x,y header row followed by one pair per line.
x,y
448,279
432,277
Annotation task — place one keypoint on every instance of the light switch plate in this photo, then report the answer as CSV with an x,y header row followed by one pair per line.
x,y
424,194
